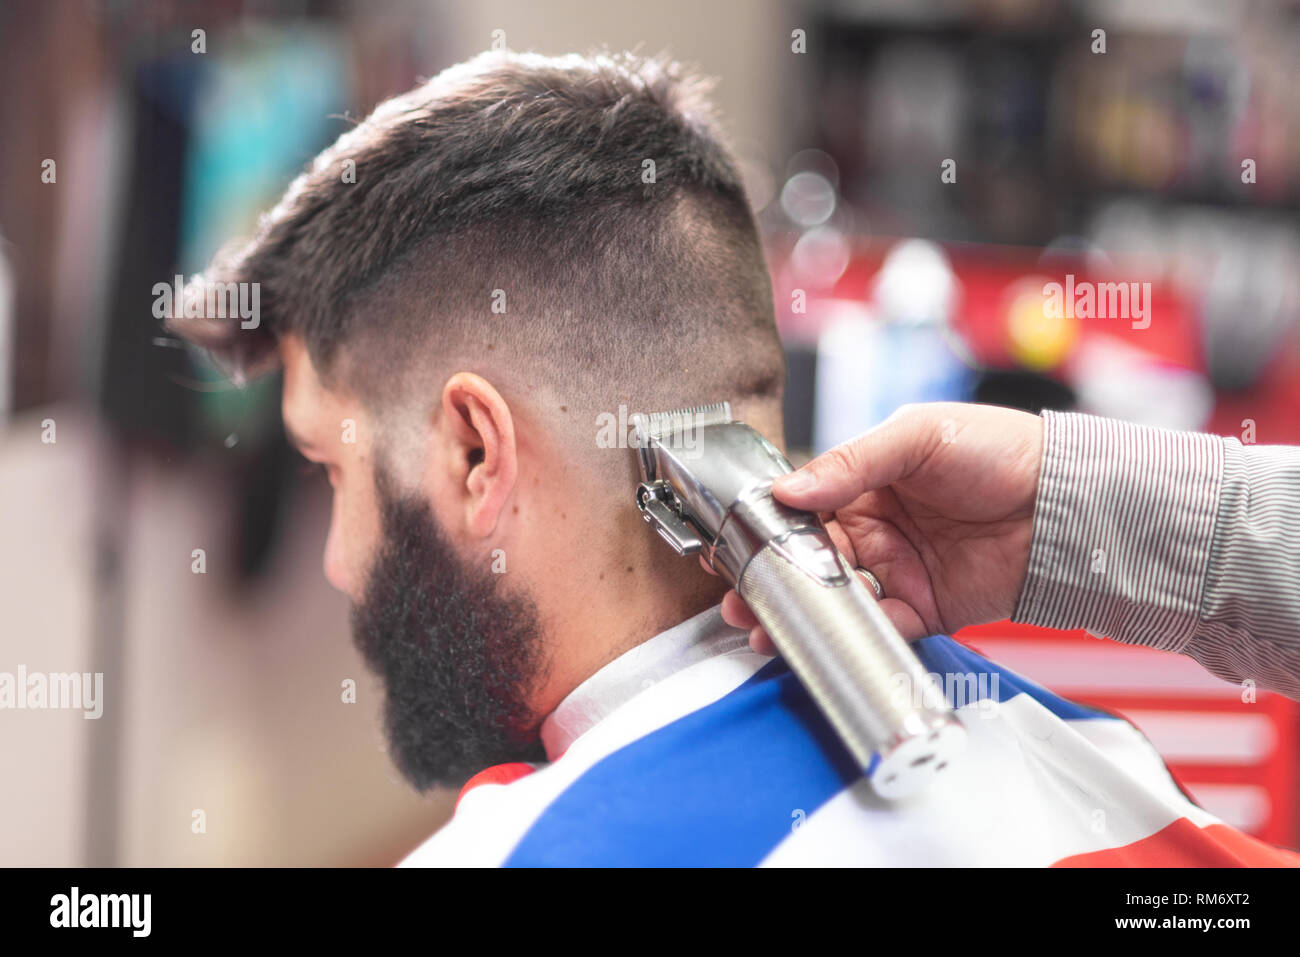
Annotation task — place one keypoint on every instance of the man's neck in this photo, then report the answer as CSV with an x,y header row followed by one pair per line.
x,y
697,638
602,623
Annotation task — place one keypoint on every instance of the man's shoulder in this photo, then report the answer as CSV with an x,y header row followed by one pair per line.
x,y
500,808
490,815
713,766
756,776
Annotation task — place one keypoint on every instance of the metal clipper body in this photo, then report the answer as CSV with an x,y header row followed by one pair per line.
x,y
707,488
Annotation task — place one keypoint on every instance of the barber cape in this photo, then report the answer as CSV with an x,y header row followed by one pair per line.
x,y
692,750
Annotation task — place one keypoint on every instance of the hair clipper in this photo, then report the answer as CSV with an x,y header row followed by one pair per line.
x,y
707,487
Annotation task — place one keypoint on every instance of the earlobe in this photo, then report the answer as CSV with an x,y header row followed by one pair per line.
x,y
484,457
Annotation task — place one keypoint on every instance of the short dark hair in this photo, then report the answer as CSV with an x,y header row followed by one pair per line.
x,y
592,195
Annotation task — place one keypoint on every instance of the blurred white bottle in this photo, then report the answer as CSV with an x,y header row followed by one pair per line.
x,y
899,347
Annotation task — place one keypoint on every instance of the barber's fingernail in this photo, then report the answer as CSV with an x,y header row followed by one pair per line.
x,y
796,482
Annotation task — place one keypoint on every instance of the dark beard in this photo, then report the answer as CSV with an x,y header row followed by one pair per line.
x,y
457,655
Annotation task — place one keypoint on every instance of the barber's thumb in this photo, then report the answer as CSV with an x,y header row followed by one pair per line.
x,y
799,482
840,475
827,482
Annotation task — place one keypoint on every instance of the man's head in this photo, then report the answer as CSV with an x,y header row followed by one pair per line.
x,y
465,291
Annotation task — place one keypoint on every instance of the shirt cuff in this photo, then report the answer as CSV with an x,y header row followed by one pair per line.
x,y
1122,530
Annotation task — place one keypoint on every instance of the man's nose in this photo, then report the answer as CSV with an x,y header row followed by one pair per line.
x,y
333,558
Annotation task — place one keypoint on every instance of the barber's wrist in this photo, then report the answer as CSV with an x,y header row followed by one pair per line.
x,y
1122,528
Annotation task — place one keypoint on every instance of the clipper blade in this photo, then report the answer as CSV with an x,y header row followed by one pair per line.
x,y
657,424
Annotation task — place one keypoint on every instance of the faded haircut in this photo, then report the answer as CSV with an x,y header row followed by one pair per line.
x,y
591,197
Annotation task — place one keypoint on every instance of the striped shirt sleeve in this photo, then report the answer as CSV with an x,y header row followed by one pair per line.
x,y
1176,540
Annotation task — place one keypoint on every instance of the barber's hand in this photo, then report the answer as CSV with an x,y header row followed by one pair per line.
x,y
937,502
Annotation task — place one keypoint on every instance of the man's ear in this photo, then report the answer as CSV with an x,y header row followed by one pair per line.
x,y
483,460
